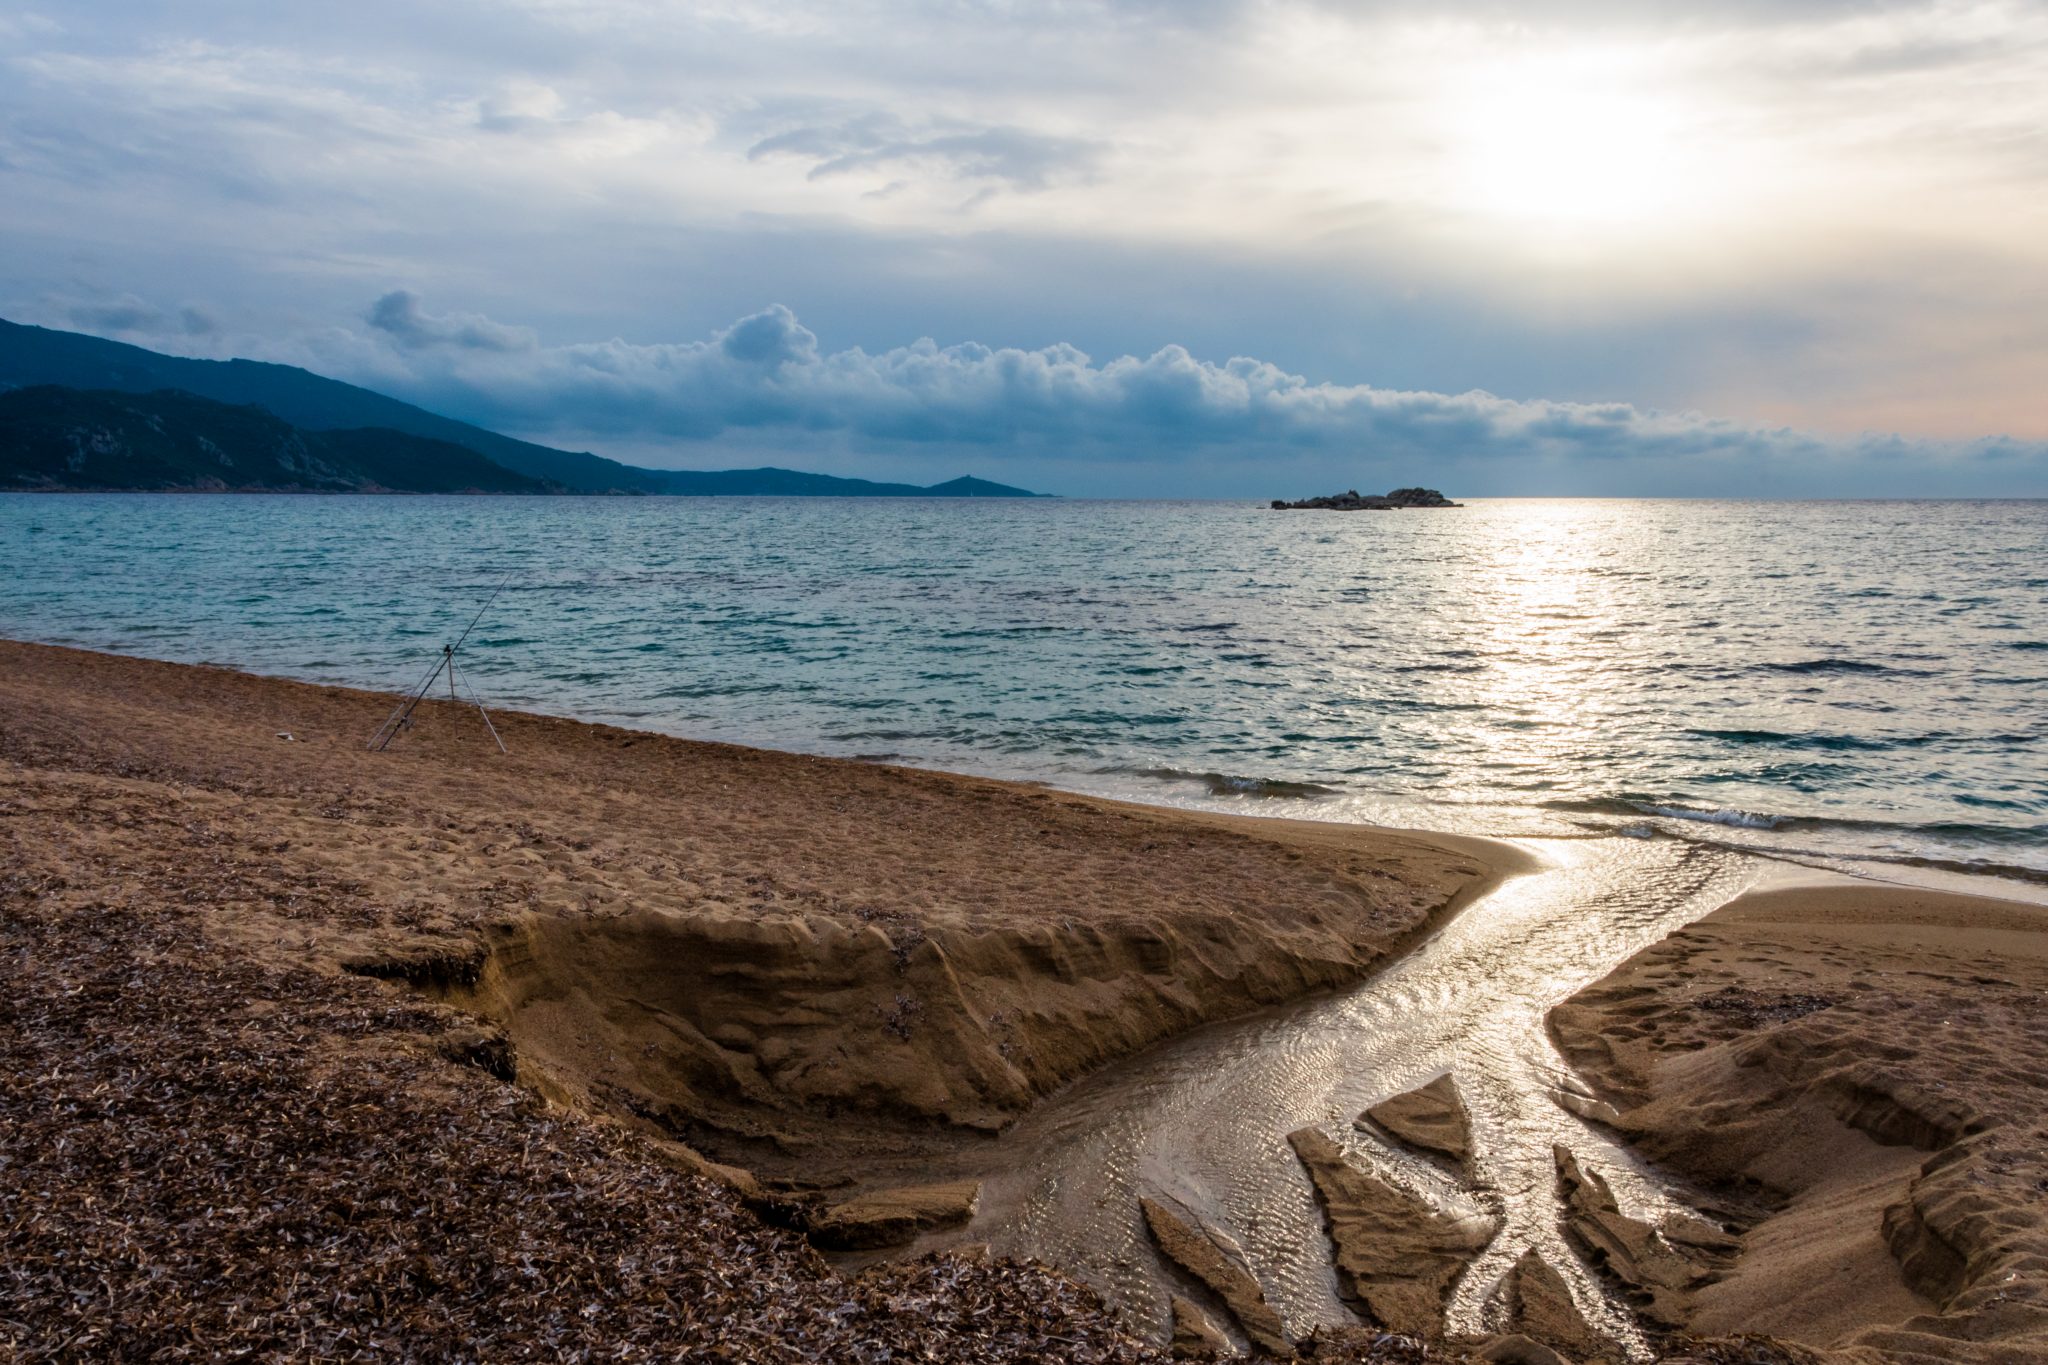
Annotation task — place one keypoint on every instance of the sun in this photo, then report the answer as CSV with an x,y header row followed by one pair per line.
x,y
1565,142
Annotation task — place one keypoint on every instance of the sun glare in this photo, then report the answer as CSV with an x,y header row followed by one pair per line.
x,y
1564,142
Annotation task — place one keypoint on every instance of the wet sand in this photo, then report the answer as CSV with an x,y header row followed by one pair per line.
x,y
1207,1124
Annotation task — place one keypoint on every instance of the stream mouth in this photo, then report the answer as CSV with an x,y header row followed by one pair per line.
x,y
1202,1121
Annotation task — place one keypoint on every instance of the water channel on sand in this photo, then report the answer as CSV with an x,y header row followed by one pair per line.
x,y
1203,1119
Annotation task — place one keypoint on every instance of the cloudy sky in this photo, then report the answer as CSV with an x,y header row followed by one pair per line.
x,y
1203,248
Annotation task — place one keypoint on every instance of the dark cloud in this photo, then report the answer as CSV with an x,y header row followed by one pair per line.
x,y
399,316
769,339
139,317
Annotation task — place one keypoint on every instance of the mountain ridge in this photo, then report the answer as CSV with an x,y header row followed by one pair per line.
x,y
32,356
52,437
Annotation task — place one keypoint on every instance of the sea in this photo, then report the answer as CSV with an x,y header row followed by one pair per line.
x,y
1859,685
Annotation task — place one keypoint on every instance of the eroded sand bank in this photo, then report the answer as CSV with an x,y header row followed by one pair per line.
x,y
735,943
1860,1070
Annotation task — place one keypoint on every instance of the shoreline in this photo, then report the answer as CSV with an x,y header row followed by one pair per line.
x,y
931,952
1964,875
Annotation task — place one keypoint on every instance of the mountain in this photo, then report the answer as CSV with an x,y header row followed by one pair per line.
x,y
792,483
31,356
39,355
970,487
54,437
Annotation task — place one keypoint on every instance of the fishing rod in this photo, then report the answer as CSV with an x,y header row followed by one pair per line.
x,y
401,718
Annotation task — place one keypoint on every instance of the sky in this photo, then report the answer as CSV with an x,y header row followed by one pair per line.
x,y
1204,248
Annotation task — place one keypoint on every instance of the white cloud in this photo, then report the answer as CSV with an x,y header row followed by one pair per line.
x,y
768,373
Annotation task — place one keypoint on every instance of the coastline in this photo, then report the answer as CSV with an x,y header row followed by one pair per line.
x,y
668,958
915,948
1856,1069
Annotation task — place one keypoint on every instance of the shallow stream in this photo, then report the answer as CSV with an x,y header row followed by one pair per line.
x,y
1203,1119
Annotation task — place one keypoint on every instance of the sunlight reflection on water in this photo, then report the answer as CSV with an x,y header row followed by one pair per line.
x,y
1857,677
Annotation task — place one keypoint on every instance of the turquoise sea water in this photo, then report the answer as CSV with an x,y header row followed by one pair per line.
x,y
1858,680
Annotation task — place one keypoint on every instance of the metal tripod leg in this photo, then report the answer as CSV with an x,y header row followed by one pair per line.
x,y
479,702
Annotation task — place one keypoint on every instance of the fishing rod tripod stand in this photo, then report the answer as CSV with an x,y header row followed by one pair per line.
x,y
401,719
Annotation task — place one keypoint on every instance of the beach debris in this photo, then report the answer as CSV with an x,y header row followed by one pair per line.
x,y
284,734
1512,1348
894,1218
1397,1255
1372,1346
1215,1259
1431,1117
485,1047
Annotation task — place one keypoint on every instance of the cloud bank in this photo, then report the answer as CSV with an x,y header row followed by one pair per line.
x,y
767,379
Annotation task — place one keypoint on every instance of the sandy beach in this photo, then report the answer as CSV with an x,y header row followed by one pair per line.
x,y
313,1051
771,957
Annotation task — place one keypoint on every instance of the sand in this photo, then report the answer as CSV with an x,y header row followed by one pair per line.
x,y
1858,1072
312,1052
541,973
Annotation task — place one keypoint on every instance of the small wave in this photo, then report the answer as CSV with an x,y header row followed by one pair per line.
x,y
1826,666
1625,806
1727,815
1974,867
1957,831
1224,784
1783,740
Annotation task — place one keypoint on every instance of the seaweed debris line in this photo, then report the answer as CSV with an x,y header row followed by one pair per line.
x,y
1353,501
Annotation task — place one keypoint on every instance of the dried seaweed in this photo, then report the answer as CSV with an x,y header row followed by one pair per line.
x,y
185,1178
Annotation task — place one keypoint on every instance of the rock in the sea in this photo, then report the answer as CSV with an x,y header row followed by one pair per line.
x,y
1397,1256
1218,1263
1654,1272
1431,1117
892,1218
1194,1336
1351,500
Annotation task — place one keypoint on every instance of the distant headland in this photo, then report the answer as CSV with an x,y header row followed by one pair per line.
x,y
82,414
1354,501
